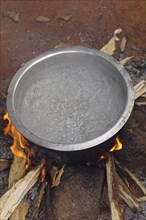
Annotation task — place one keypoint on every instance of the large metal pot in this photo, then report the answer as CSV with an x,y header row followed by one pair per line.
x,y
71,101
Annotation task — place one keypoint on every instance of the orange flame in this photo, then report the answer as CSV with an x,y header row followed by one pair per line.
x,y
117,146
18,141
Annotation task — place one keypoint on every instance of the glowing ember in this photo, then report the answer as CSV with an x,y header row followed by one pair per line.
x,y
43,173
101,158
117,146
18,141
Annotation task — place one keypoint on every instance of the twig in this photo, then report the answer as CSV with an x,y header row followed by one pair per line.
x,y
40,197
41,193
124,61
128,197
140,89
138,183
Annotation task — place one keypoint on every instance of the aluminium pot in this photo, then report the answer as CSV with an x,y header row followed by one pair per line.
x,y
72,102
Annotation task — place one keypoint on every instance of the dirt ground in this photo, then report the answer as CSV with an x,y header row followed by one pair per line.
x,y
91,23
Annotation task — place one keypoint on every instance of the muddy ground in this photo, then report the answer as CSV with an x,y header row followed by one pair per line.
x,y
82,193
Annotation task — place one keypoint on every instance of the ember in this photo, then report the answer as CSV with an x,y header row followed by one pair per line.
x,y
43,173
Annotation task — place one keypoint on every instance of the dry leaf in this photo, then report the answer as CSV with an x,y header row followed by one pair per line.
x,y
140,89
20,212
42,19
4,164
14,16
123,43
110,47
124,61
66,17
56,175
61,45
12,198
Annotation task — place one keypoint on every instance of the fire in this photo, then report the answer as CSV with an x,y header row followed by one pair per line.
x,y
117,146
43,173
18,141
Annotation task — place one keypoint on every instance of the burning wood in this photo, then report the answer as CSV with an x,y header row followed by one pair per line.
x,y
12,198
41,193
12,202
116,210
20,212
17,170
132,182
124,190
136,180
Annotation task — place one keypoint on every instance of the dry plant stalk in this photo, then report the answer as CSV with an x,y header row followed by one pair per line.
x,y
124,190
56,175
140,89
123,43
20,212
110,47
140,103
4,164
136,180
12,198
40,197
41,193
127,196
17,170
116,210
124,61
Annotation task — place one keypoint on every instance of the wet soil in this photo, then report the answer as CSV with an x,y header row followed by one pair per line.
x,y
92,24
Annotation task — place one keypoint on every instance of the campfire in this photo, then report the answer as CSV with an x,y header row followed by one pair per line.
x,y
26,170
